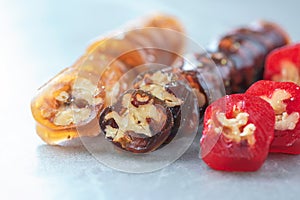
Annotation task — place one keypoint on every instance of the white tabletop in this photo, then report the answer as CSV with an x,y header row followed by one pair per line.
x,y
40,38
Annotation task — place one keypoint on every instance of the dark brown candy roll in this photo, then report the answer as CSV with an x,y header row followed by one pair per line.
x,y
269,34
138,122
191,77
247,48
225,66
167,87
199,71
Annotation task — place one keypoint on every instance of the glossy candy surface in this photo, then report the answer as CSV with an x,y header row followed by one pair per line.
x,y
138,122
283,64
74,98
284,97
247,48
236,134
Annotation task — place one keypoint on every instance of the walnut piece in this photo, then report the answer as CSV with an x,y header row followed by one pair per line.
x,y
76,105
135,119
284,121
69,116
160,92
159,78
231,128
85,89
289,73
63,96
156,84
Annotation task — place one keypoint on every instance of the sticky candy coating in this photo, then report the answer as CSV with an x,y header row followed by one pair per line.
x,y
138,122
283,64
228,148
166,86
284,98
247,47
59,112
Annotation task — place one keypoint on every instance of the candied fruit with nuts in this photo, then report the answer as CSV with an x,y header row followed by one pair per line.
x,y
236,133
138,122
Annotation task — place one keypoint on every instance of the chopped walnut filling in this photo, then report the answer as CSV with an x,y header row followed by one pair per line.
x,y
289,73
69,116
85,89
75,105
63,96
284,121
136,119
159,78
160,92
156,83
236,129
141,98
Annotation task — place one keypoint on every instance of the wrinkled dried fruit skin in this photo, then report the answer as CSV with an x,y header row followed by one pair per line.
x,y
285,141
129,107
247,48
222,153
98,65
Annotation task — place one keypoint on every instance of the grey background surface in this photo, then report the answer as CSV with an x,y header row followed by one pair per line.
x,y
39,38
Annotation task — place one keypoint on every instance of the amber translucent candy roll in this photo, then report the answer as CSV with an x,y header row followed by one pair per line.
x,y
74,98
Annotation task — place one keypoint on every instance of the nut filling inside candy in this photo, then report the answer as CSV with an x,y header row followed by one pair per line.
x,y
289,73
74,106
235,129
156,85
284,121
145,119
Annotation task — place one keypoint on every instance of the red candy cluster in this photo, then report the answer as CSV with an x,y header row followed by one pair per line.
x,y
241,129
